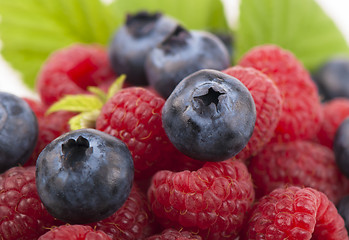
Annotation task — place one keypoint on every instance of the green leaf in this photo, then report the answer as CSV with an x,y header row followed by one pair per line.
x,y
31,30
116,86
193,14
300,26
77,103
84,120
98,93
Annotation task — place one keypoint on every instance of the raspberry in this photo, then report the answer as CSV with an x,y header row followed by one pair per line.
x,y
134,220
211,201
74,232
71,70
301,163
295,213
23,216
301,109
268,103
134,115
51,126
172,234
334,111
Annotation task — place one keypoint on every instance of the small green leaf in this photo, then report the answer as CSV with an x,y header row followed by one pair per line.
x,y
116,86
300,26
84,120
193,14
77,103
98,93
31,30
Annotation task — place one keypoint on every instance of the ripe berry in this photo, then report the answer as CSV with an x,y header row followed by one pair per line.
x,y
210,202
341,147
74,232
301,109
18,131
134,116
334,112
332,78
71,70
84,176
132,42
22,214
268,101
182,53
300,163
209,116
134,220
172,234
294,213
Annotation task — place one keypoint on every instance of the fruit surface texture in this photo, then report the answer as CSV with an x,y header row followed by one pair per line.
x,y
84,176
133,41
183,52
209,116
23,216
18,131
297,214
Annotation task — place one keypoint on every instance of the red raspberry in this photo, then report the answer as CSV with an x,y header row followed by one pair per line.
x,y
268,103
294,213
134,115
301,163
71,70
172,234
74,232
301,108
50,127
134,220
22,215
334,111
211,201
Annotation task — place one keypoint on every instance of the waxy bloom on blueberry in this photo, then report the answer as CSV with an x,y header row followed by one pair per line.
x,y
84,176
209,116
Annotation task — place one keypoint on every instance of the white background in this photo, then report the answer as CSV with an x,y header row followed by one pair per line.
x,y
10,80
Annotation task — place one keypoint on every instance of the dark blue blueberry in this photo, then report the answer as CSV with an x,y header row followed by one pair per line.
x,y
18,131
181,54
132,42
84,176
341,147
332,78
209,116
343,210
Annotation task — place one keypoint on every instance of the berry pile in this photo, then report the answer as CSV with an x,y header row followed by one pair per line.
x,y
189,147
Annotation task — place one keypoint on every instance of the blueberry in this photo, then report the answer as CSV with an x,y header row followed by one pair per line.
x,y
332,78
209,116
182,53
84,176
132,42
343,210
341,147
18,131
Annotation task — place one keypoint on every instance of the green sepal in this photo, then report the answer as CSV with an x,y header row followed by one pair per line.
x,y
116,86
84,120
76,103
98,93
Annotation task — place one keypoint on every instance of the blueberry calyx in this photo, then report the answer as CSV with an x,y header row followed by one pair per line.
x,y
178,38
142,23
76,151
208,101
